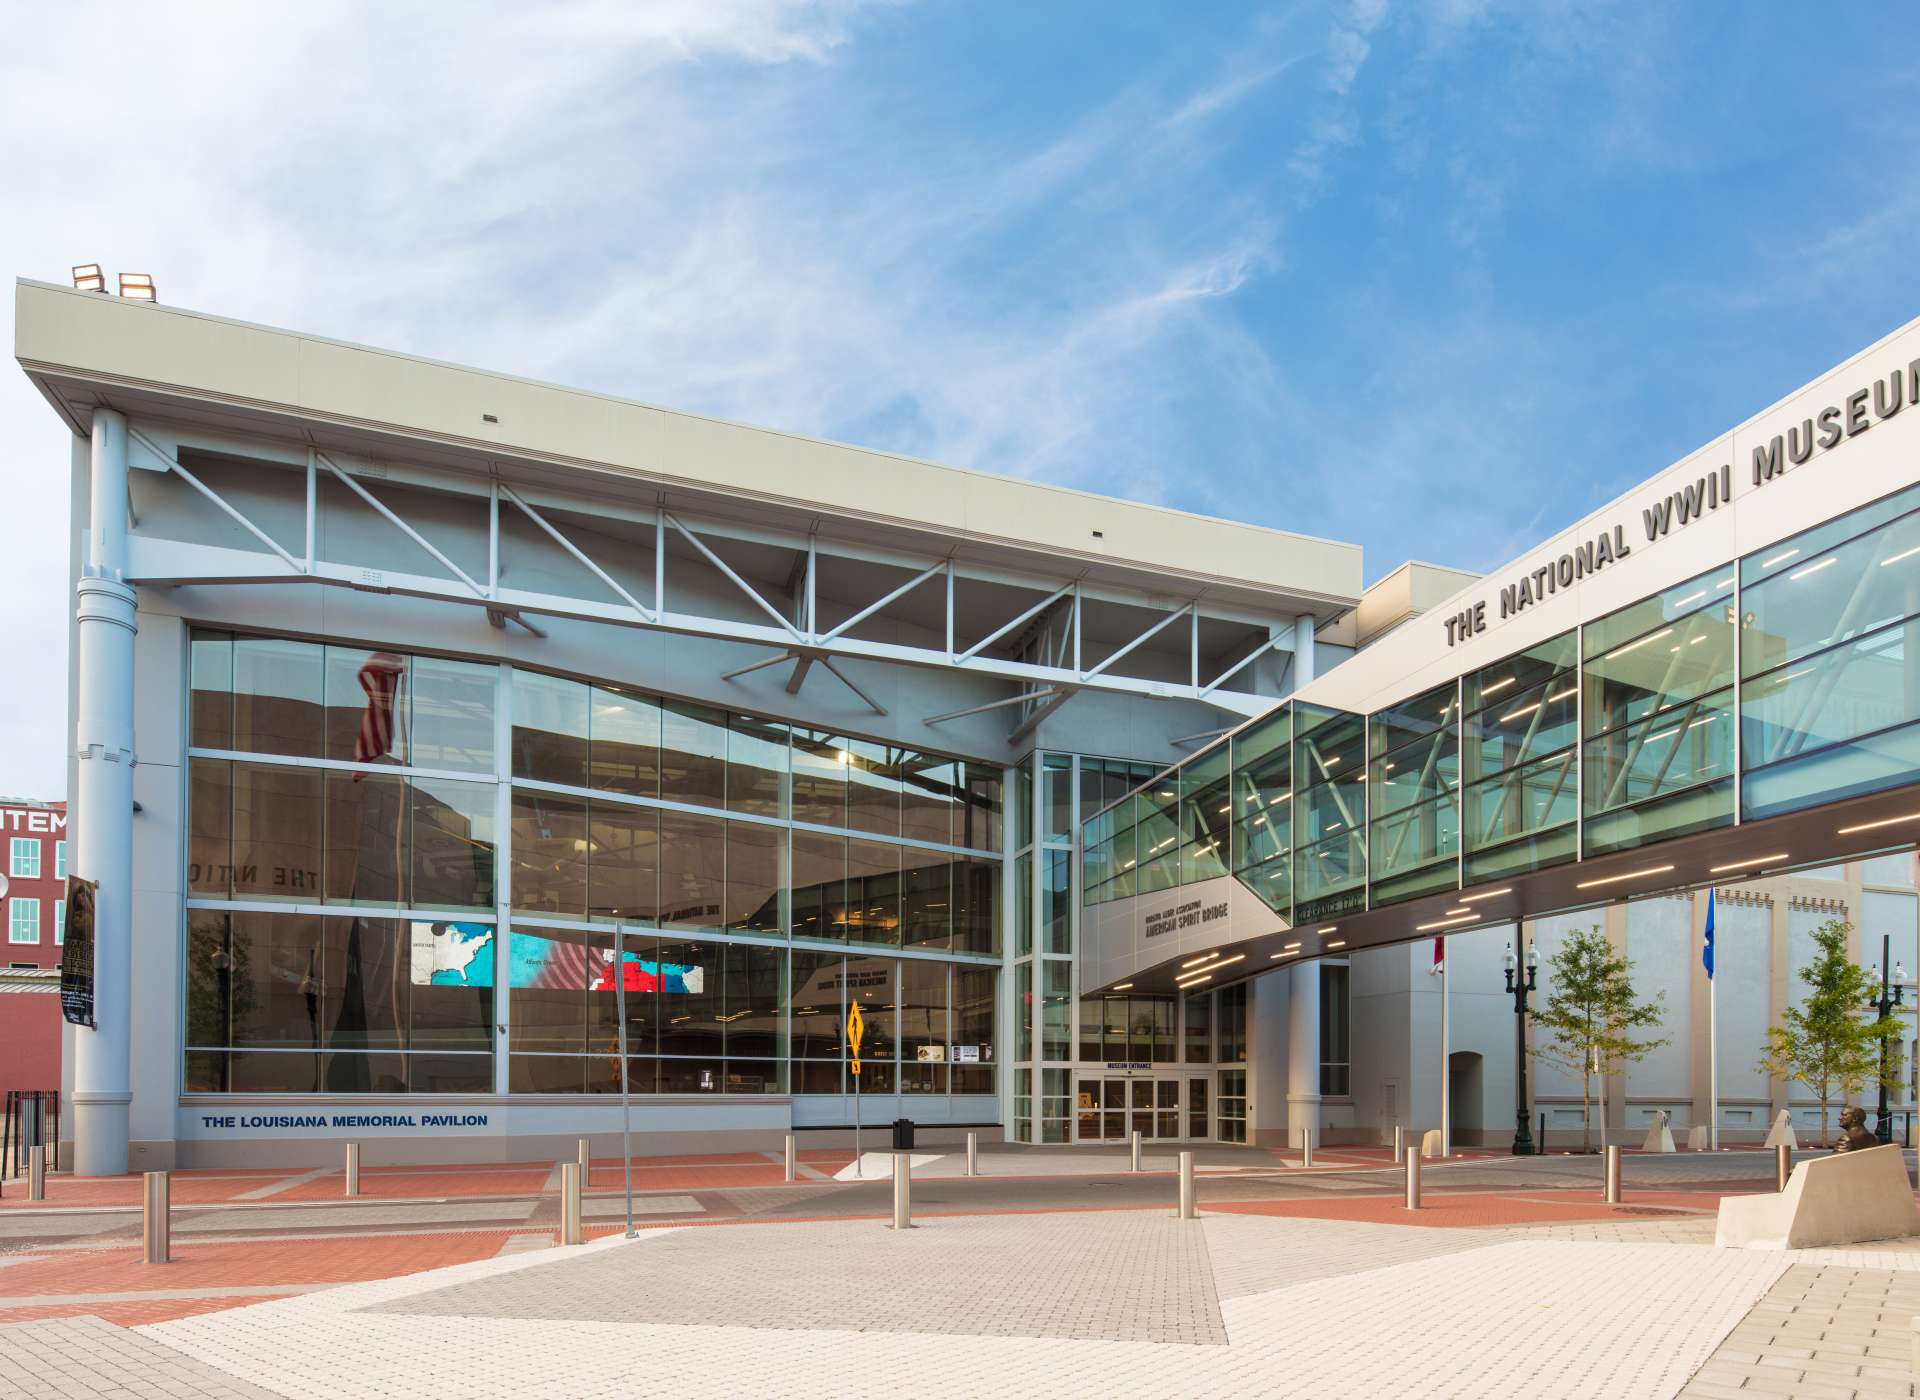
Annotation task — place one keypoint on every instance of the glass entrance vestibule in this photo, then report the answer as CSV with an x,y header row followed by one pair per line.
x,y
1111,1107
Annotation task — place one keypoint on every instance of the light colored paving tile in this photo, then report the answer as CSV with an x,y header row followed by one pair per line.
x,y
615,1207
1134,1275
69,1358
1509,1318
348,1217
1817,1333
1256,1254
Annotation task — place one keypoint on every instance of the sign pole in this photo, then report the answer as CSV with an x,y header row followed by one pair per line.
x,y
856,1028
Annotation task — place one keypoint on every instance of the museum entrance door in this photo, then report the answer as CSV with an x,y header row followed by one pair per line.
x,y
1110,1107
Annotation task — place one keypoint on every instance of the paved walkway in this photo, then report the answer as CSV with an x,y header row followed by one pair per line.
x,y
956,1309
1516,1280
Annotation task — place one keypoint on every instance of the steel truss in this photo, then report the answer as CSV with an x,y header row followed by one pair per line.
x,y
791,623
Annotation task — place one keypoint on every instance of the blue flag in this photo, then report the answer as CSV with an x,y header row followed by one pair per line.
x,y
1706,950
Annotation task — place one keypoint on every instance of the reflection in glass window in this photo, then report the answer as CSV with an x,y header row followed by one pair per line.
x,y
1518,755
819,885
980,815
926,899
1831,635
692,870
365,839
1412,795
693,755
819,778
1658,757
819,1018
873,892
927,786
452,843
623,742
623,861
549,853
276,833
211,683
755,878
549,729
277,705
756,767
367,693
338,1004
874,787
450,712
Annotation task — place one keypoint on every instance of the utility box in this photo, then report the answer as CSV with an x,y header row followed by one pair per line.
x,y
903,1135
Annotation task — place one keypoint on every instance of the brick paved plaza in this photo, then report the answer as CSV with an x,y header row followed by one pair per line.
x,y
1054,1273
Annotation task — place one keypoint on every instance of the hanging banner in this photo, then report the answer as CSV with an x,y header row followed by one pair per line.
x,y
76,957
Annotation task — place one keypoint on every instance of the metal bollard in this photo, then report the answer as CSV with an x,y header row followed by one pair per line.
x,y
156,1226
973,1154
1613,1174
902,1191
1413,1181
1399,1146
570,1204
1188,1210
37,1173
584,1154
1306,1147
1136,1149
1782,1165
792,1159
353,1169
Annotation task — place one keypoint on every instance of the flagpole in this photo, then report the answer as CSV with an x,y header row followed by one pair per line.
x,y
626,1094
1446,1063
1713,1033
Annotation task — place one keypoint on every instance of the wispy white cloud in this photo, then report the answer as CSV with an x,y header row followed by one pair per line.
x,y
698,204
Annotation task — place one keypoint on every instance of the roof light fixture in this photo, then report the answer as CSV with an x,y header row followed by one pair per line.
x,y
89,278
137,286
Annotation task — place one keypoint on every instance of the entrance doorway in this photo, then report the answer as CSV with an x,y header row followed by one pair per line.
x,y
1110,1108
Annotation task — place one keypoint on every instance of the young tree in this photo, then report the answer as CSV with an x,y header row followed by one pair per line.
x,y
1831,1042
1592,1015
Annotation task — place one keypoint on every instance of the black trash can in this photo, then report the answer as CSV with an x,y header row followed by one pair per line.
x,y
903,1135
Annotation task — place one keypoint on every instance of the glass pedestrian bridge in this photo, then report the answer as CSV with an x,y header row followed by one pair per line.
x,y
1761,715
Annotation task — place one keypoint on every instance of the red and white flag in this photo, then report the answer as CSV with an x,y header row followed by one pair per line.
x,y
380,678
1439,956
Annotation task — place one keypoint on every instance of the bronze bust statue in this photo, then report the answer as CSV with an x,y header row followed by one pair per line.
x,y
1854,1136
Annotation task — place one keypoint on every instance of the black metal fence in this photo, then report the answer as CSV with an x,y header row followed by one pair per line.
x,y
32,1118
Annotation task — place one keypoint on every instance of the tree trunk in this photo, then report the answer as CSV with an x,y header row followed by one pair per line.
x,y
1586,1098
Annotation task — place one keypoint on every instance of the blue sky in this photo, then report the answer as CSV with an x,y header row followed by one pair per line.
x,y
1438,279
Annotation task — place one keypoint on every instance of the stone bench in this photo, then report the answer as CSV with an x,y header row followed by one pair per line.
x,y
1843,1199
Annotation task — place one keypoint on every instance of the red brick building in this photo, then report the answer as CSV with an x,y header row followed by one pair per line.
x,y
33,881
33,891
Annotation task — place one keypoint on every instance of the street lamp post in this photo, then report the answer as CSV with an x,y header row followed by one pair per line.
x,y
1891,989
1519,987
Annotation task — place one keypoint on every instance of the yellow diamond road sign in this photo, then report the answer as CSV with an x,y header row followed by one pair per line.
x,y
856,1027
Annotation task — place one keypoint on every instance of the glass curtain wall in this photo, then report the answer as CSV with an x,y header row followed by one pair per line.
x,y
1518,732
359,835
1413,793
1262,789
1613,736
1830,660
1329,813
1657,676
